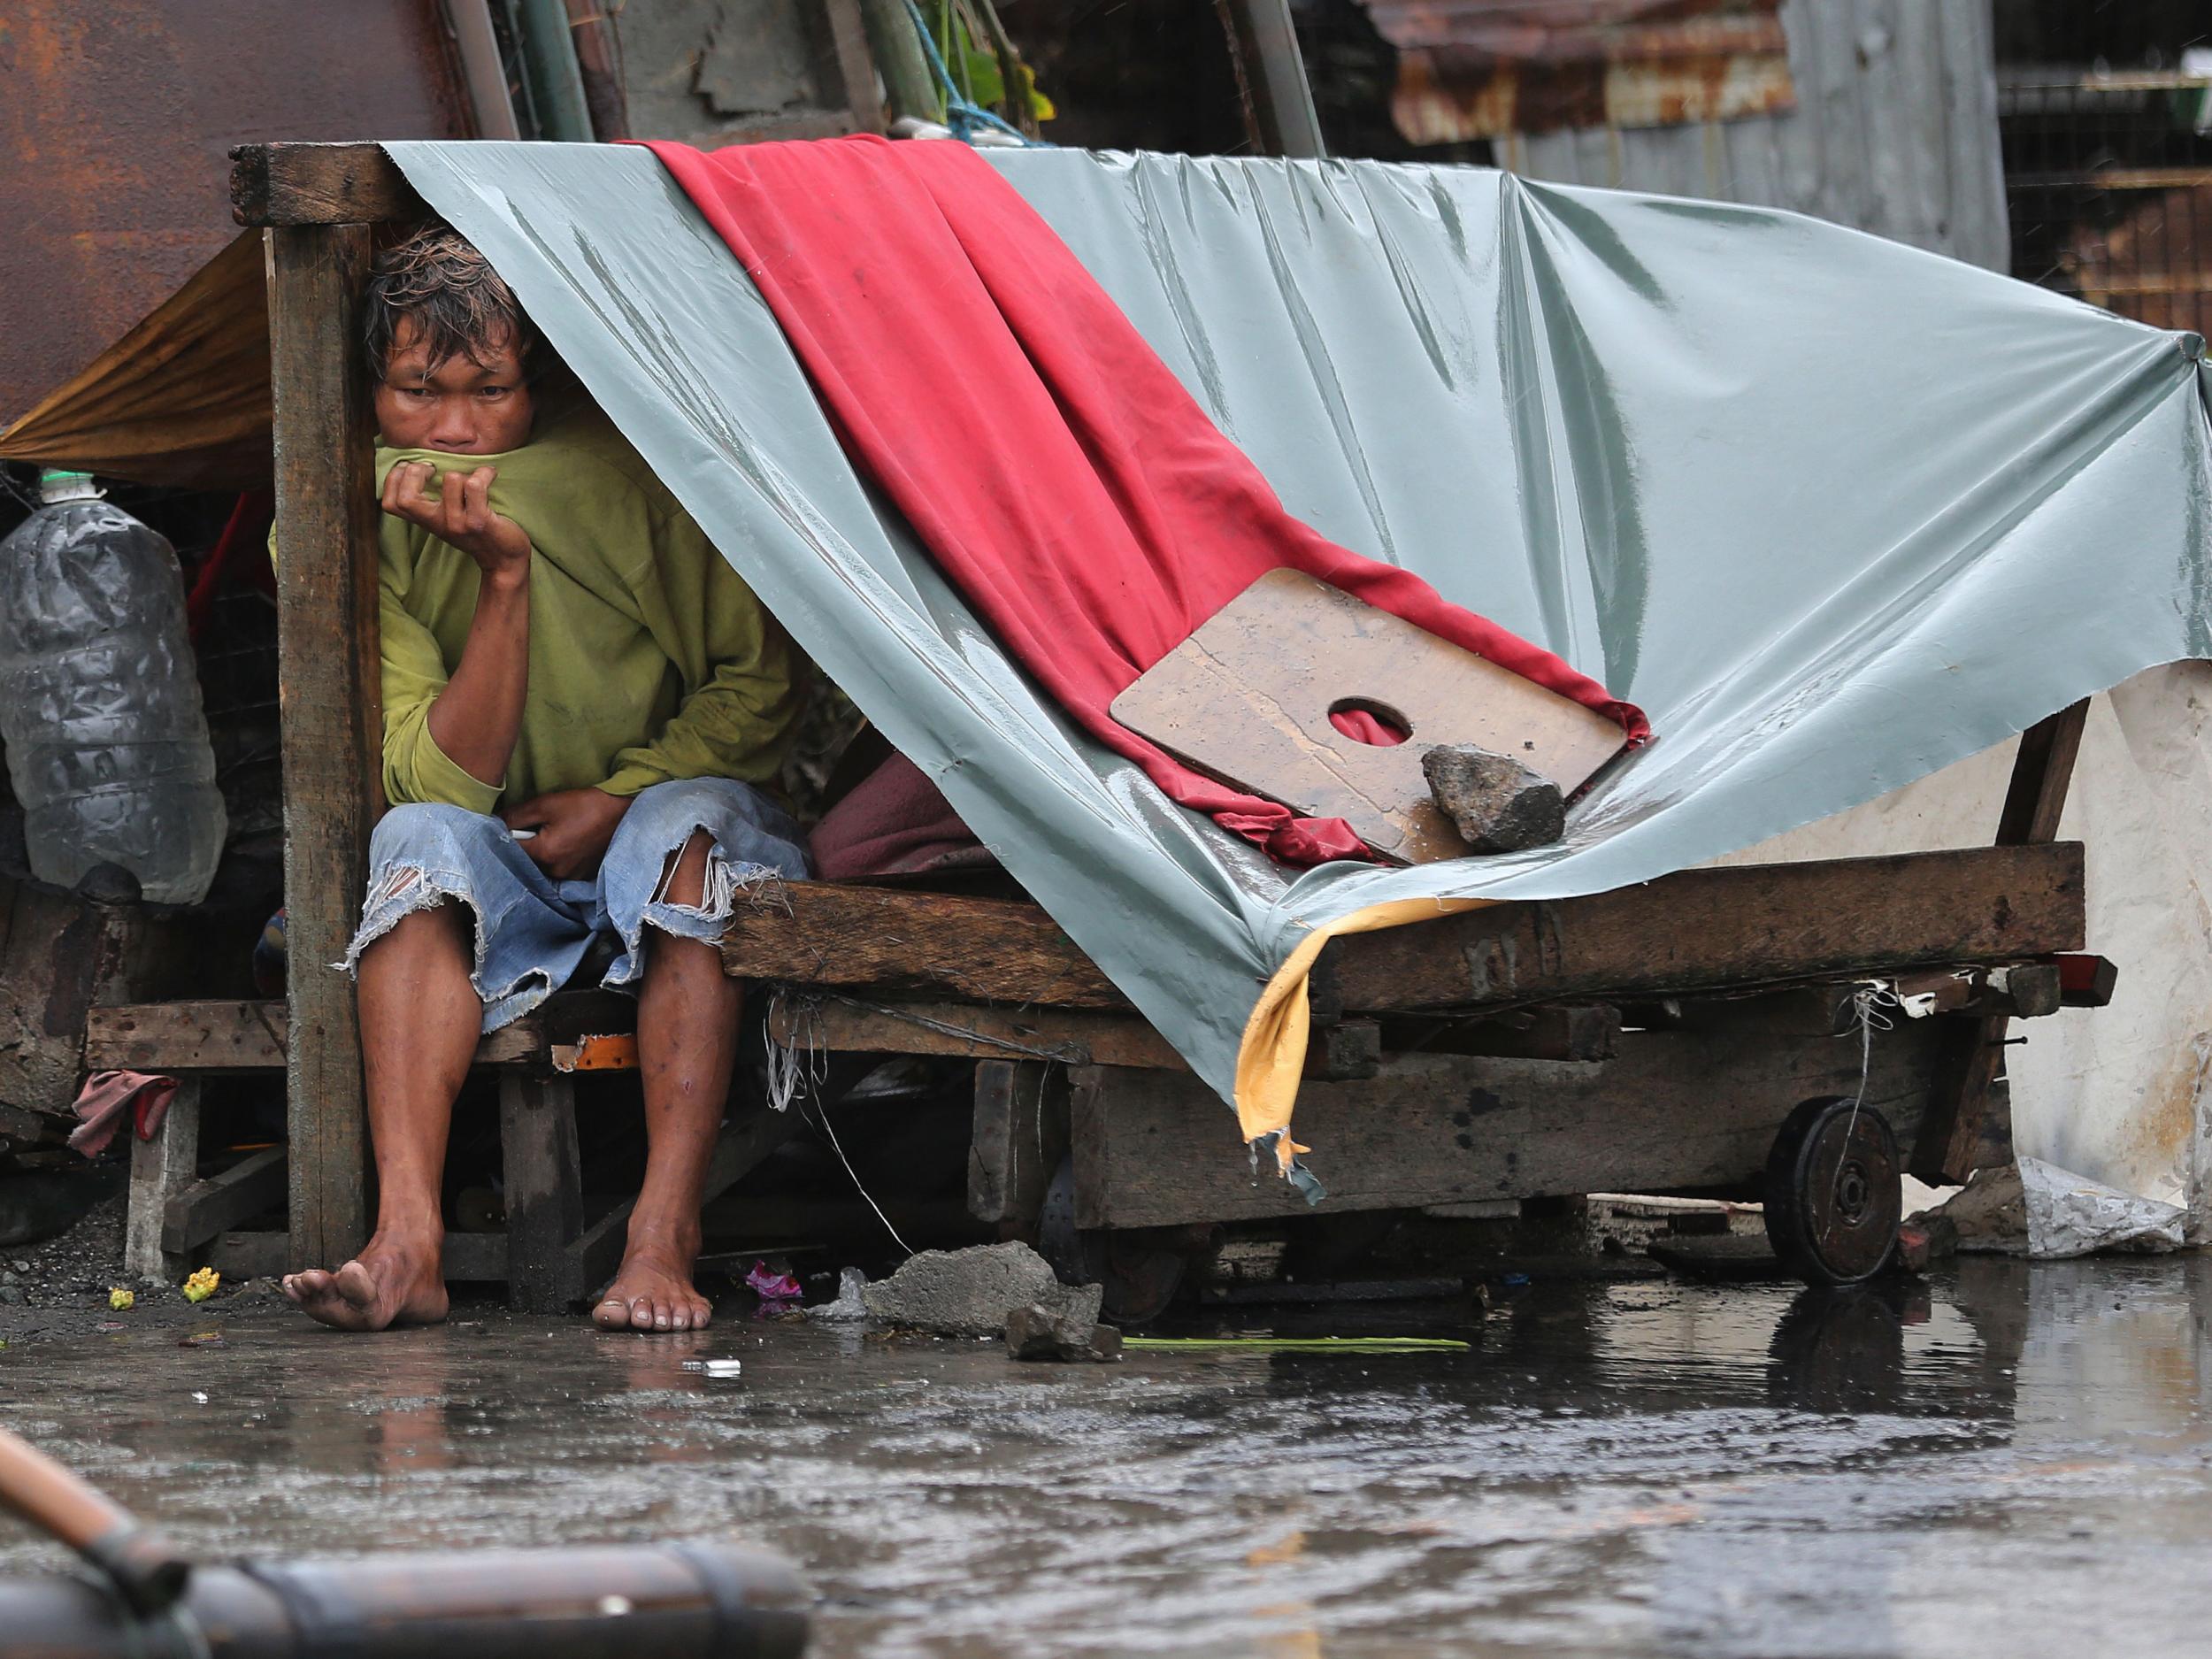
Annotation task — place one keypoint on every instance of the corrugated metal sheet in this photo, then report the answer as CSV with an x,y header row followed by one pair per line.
x,y
1895,132
1482,68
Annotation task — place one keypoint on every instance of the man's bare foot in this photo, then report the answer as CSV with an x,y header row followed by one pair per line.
x,y
389,1283
653,1291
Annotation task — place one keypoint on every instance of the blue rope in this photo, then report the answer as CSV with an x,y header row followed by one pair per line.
x,y
960,115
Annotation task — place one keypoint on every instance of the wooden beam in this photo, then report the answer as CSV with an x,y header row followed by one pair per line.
x,y
1745,926
218,1036
329,692
319,184
1673,1110
1074,1037
1974,1054
205,1209
895,939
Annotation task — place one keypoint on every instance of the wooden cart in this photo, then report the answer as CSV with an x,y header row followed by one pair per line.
x,y
1659,1039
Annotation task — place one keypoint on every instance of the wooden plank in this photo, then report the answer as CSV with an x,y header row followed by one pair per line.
x,y
843,70
545,1204
216,1036
1673,1110
1247,698
987,950
205,1209
1974,1055
167,1165
238,1257
319,184
1577,1031
224,1035
1748,924
962,1029
328,690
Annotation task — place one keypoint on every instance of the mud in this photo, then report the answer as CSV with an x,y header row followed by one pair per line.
x,y
2012,1461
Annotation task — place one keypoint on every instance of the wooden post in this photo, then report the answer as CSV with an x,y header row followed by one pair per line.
x,y
1966,1078
328,686
545,1204
160,1168
1271,73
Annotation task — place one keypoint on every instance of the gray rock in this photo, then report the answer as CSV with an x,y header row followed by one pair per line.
x,y
971,1292
11,1294
1497,804
10,1277
1040,1333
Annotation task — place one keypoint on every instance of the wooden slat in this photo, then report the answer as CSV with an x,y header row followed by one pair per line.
x,y
1750,925
319,184
988,950
1072,1036
1673,1110
328,690
250,1036
1019,1135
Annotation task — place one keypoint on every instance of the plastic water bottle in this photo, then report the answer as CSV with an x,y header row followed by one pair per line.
x,y
99,702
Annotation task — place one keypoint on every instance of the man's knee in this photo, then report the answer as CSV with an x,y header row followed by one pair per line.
x,y
684,876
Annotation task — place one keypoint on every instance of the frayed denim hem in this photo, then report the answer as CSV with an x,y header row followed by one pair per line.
x,y
399,891
707,921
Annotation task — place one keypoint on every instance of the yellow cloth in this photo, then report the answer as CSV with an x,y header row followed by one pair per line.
x,y
650,658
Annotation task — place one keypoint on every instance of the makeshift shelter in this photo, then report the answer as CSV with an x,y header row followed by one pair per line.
x,y
1836,513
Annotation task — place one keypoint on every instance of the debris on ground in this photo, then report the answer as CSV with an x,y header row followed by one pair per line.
x,y
201,1285
2036,1209
972,1292
1036,1333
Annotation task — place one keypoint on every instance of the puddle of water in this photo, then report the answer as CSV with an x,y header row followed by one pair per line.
x,y
2014,1462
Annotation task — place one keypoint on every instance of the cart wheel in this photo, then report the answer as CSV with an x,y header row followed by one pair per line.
x,y
1834,1193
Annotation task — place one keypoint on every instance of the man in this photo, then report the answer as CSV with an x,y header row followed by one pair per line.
x,y
580,699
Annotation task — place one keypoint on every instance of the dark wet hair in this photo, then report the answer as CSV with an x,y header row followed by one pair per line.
x,y
463,307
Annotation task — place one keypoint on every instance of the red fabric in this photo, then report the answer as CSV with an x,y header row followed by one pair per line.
x,y
894,822
107,1097
1052,463
1363,727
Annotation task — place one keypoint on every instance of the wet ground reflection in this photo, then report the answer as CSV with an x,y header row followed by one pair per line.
x,y
2008,1461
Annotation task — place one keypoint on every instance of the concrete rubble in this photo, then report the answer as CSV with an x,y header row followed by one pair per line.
x,y
973,1291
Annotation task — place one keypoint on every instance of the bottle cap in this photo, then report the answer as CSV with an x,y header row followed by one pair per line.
x,y
55,484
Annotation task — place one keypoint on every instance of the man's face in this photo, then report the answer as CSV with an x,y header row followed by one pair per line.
x,y
462,406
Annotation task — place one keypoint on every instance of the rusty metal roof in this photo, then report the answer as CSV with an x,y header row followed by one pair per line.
x,y
1482,68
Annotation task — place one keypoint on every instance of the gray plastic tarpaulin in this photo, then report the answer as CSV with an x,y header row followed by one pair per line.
x,y
1833,511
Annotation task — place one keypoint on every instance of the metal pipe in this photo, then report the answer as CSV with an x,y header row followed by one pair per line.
x,y
599,61
673,1601
471,21
557,81
136,1558
1266,46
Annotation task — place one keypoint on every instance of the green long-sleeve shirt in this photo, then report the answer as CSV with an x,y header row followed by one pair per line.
x,y
650,658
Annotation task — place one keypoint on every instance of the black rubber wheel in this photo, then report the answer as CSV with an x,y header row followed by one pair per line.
x,y
1834,1192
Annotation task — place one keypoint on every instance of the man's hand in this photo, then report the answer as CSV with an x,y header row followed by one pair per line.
x,y
574,828
460,515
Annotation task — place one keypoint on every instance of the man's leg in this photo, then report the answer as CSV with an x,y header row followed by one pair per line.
x,y
686,1031
420,1018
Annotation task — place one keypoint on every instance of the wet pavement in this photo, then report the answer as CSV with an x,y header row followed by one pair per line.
x,y
2010,1461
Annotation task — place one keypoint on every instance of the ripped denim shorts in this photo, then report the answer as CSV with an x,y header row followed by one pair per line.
x,y
532,931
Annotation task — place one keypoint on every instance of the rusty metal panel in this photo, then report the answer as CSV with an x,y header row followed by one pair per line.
x,y
1894,132
116,116
1482,68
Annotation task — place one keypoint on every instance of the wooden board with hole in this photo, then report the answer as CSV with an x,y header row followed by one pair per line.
x,y
1246,699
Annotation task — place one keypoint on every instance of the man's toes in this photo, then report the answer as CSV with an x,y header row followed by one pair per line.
x,y
641,1314
613,1314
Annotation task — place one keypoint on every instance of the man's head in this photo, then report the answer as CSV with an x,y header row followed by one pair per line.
x,y
447,347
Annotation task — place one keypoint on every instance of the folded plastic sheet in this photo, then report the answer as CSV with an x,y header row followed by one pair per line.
x,y
1835,512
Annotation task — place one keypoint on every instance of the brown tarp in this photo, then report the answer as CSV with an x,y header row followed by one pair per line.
x,y
182,399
